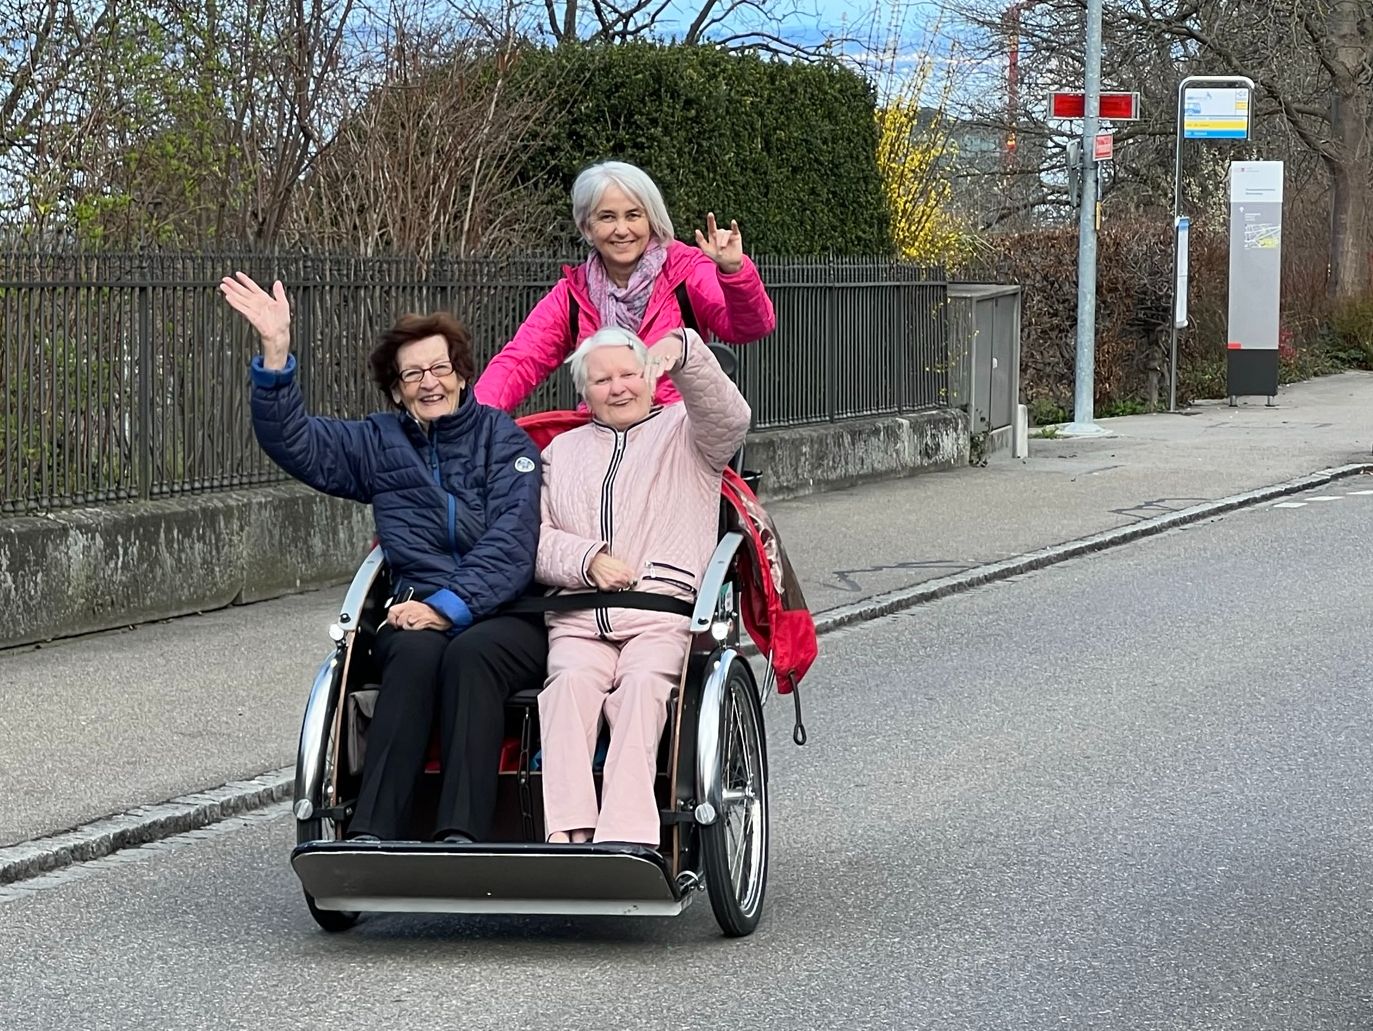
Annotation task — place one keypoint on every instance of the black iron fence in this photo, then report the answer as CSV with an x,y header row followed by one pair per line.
x,y
125,376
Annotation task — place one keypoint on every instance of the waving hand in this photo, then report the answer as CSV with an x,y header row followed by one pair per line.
x,y
269,314
725,247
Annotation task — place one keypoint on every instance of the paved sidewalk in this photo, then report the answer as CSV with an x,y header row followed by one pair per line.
x,y
854,543
100,724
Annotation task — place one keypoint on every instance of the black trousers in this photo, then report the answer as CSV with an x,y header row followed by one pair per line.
x,y
464,682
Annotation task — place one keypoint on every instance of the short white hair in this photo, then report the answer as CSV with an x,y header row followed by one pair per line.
x,y
610,336
591,185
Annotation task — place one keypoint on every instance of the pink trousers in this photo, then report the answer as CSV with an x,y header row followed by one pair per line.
x,y
629,682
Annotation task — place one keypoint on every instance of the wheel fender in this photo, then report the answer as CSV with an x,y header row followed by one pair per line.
x,y
314,729
708,777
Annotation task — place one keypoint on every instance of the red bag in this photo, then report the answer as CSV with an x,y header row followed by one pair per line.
x,y
774,609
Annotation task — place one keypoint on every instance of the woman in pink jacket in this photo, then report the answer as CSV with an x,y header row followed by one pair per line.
x,y
638,277
630,500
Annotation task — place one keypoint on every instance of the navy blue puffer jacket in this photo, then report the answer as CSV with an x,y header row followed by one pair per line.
x,y
456,508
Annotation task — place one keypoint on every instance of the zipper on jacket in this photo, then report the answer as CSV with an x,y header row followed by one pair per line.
x,y
452,501
608,515
682,584
651,574
668,565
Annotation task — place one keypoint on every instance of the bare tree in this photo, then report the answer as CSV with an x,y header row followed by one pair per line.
x,y
139,120
789,27
289,118
1311,59
46,46
244,121
423,163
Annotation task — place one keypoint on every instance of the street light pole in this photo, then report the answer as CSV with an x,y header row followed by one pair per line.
x,y
1085,379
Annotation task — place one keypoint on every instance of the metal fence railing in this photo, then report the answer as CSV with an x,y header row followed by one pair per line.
x,y
125,375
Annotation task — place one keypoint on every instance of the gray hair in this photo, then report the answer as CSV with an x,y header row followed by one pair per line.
x,y
591,184
610,336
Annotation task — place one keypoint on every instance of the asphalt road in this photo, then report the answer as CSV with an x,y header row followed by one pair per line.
x,y
1126,792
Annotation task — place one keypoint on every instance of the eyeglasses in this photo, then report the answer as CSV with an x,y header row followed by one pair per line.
x,y
439,369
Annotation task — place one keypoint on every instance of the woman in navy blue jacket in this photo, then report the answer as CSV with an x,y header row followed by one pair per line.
x,y
454,490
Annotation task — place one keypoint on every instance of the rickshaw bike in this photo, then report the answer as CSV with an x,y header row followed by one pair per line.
x,y
712,779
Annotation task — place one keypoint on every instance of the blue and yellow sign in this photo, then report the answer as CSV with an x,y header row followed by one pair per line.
x,y
1215,114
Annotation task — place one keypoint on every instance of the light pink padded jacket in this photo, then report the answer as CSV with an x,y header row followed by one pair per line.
x,y
733,307
650,495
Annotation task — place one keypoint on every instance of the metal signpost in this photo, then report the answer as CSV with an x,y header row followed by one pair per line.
x,y
1084,385
1210,107
1255,278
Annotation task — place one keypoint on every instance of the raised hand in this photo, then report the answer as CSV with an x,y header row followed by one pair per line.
x,y
725,247
269,314
664,357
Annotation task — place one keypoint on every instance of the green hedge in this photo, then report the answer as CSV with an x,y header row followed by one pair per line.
x,y
787,149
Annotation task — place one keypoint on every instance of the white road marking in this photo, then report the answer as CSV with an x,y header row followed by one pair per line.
x,y
1323,497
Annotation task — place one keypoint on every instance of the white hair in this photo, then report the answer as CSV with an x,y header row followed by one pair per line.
x,y
610,336
591,185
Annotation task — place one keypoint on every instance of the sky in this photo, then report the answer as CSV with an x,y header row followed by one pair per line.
x,y
815,20
890,39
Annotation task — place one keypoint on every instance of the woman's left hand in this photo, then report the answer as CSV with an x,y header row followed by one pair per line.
x,y
416,615
725,247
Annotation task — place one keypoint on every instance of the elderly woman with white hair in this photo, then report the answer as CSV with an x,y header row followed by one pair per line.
x,y
637,277
630,500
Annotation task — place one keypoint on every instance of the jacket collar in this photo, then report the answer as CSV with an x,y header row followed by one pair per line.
x,y
653,413
450,427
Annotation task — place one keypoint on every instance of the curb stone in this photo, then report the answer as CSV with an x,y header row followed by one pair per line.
x,y
147,824
143,825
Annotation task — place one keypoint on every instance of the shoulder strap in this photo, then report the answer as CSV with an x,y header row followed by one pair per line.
x,y
574,318
688,313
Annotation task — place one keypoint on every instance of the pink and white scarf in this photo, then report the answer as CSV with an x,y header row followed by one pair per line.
x,y
624,306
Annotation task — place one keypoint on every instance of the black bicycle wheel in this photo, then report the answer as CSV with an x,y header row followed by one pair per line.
x,y
734,849
331,920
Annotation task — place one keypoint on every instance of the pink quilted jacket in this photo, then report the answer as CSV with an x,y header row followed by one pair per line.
x,y
733,308
650,495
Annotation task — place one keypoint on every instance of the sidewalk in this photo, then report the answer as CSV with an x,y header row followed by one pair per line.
x,y
850,544
101,724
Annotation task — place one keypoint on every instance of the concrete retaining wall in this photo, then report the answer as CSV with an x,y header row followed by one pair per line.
x,y
83,570
816,458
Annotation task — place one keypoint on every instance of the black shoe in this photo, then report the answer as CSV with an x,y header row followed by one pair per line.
x,y
457,838
366,839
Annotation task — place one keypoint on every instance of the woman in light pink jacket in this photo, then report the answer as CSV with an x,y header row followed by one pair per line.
x,y
630,500
637,277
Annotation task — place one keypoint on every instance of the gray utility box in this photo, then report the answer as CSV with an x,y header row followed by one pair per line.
x,y
984,355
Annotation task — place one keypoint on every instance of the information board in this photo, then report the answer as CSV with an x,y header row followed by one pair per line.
x,y
1209,113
